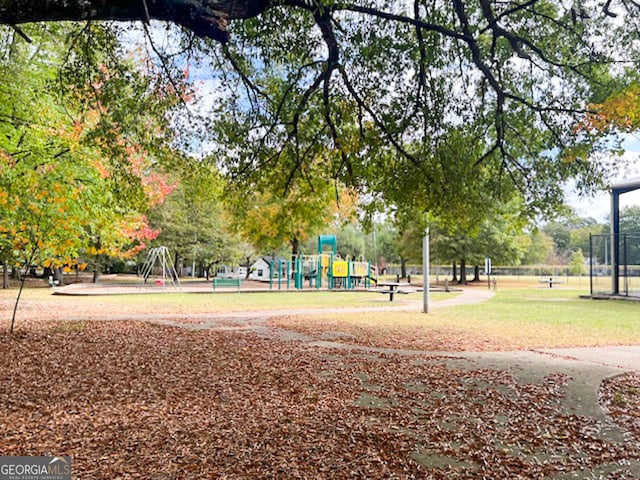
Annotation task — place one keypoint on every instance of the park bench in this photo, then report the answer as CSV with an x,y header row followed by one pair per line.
x,y
227,282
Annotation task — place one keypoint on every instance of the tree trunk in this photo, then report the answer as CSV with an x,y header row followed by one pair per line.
x,y
176,266
47,272
476,274
295,248
59,276
206,18
207,270
96,271
463,272
403,267
5,274
248,265
454,278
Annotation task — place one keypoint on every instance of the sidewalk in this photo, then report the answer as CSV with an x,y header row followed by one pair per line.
x,y
467,296
626,357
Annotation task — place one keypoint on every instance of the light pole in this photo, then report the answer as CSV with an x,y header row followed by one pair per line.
x,y
375,248
425,269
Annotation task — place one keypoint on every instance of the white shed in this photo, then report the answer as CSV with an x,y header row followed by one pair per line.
x,y
261,268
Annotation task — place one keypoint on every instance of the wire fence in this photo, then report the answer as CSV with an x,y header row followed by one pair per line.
x,y
616,257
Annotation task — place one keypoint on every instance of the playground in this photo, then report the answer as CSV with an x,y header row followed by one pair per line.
x,y
325,269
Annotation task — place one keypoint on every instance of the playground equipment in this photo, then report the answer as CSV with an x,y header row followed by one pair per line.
x,y
159,257
324,269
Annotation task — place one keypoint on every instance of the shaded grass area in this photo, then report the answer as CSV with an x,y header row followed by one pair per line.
x,y
512,319
134,400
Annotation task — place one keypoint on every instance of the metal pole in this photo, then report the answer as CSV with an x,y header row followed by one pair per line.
x,y
615,245
164,266
272,265
375,247
626,271
591,264
425,271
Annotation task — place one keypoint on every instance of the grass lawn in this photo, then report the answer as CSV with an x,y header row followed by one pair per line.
x,y
523,316
553,318
517,318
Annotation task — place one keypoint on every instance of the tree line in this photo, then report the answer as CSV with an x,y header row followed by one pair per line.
x,y
227,134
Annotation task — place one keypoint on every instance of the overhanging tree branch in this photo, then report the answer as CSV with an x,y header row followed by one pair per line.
x,y
206,18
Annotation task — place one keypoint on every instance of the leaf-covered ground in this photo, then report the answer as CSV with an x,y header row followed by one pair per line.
x,y
395,334
136,400
620,397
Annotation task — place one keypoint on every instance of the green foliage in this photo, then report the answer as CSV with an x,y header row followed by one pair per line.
x,y
452,108
630,233
192,221
270,214
444,107
382,243
499,236
577,263
630,219
45,199
571,232
351,241
78,163
539,249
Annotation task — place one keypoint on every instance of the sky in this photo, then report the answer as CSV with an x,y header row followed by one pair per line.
x,y
599,205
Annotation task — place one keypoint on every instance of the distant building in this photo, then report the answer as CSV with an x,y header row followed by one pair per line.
x,y
223,271
261,268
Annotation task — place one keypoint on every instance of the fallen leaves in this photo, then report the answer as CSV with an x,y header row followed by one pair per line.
x,y
135,400
392,334
620,397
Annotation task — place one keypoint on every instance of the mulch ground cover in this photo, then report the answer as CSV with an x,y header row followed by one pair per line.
x,y
136,400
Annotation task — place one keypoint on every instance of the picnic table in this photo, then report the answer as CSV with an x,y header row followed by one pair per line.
x,y
551,281
391,288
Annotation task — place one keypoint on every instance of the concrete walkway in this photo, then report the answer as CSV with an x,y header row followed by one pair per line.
x,y
613,359
467,296
609,359
625,358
